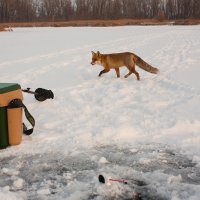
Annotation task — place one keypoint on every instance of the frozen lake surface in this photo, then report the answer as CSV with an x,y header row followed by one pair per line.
x,y
146,132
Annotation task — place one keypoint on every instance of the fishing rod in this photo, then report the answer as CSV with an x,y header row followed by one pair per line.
x,y
102,180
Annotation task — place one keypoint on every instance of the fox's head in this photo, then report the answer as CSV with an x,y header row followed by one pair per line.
x,y
96,58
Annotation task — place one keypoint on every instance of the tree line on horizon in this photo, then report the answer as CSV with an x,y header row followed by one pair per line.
x,y
55,10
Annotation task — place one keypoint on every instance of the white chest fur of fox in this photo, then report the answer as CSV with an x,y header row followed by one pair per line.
x,y
117,60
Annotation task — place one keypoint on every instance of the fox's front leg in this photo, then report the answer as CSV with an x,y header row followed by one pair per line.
x,y
117,72
103,71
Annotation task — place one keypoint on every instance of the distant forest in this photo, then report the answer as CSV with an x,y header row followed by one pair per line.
x,y
55,10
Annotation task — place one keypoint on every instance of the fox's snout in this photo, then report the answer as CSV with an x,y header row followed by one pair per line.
x,y
96,62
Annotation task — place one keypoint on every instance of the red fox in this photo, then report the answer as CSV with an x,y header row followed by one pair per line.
x,y
117,60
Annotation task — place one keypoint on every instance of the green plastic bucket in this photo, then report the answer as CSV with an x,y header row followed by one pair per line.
x,y
3,128
8,91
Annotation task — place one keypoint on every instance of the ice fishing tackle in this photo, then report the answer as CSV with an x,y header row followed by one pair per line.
x,y
40,94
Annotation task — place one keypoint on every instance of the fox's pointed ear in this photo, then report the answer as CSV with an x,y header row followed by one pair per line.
x,y
98,53
92,52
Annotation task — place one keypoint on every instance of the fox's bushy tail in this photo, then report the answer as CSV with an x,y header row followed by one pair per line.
x,y
145,66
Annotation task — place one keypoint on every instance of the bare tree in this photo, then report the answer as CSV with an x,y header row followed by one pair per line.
x,y
51,10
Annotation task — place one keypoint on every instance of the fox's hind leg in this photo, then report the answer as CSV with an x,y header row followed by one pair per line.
x,y
103,71
136,73
130,71
127,75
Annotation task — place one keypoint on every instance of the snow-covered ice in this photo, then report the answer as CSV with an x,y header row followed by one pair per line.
x,y
146,132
